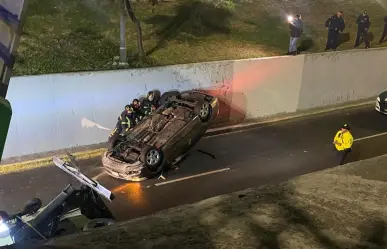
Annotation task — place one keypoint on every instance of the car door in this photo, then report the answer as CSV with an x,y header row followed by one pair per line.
x,y
179,142
191,134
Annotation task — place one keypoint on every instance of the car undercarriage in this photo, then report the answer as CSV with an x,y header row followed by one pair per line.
x,y
162,138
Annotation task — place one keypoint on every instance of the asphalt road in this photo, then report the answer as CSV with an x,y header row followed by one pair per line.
x,y
257,156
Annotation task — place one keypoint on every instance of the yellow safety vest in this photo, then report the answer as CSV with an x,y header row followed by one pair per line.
x,y
345,140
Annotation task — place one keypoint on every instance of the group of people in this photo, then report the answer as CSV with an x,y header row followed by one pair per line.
x,y
134,113
335,25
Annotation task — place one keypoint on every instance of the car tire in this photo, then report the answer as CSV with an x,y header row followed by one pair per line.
x,y
164,98
152,158
95,223
203,109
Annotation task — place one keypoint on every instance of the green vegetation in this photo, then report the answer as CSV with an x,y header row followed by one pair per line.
x,y
79,35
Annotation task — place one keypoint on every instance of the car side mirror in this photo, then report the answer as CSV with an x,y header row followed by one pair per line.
x,y
32,206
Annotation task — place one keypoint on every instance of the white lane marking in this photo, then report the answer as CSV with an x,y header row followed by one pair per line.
x,y
193,176
98,176
372,136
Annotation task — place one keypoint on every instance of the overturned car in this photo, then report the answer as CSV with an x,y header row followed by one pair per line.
x,y
162,139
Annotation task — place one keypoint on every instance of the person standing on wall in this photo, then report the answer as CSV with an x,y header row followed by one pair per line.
x,y
296,30
335,25
363,25
343,141
384,31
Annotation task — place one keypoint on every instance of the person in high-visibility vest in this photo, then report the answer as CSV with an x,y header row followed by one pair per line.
x,y
125,122
343,143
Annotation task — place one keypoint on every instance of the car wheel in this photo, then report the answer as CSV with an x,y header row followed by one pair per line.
x,y
203,109
164,98
95,223
152,157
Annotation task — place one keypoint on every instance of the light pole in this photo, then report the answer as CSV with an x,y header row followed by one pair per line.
x,y
123,57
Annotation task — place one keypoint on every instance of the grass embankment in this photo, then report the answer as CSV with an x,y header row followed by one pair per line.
x,y
339,208
75,35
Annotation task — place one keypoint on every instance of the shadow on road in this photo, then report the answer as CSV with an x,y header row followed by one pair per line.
x,y
321,211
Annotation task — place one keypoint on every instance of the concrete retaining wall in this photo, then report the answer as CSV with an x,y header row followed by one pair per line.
x,y
334,78
52,112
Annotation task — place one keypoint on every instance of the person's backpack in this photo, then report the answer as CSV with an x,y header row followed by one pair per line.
x,y
328,22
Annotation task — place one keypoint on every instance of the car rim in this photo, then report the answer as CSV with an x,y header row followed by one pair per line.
x,y
153,157
204,110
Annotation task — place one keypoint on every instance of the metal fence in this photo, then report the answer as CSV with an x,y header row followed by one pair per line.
x,y
12,16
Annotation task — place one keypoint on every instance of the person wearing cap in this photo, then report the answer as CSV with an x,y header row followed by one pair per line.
x,y
149,104
343,141
363,25
335,25
296,30
384,35
125,122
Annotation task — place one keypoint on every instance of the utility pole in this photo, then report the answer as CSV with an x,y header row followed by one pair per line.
x,y
123,54
12,17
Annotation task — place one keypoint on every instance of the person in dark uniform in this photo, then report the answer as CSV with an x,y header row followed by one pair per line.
x,y
343,141
136,105
363,25
384,35
125,122
335,24
149,104
137,111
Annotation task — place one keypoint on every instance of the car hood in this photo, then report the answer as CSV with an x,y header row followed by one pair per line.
x,y
120,166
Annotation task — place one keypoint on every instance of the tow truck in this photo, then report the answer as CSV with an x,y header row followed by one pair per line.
x,y
79,207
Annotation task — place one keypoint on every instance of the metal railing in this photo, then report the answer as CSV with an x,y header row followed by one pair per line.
x,y
12,17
